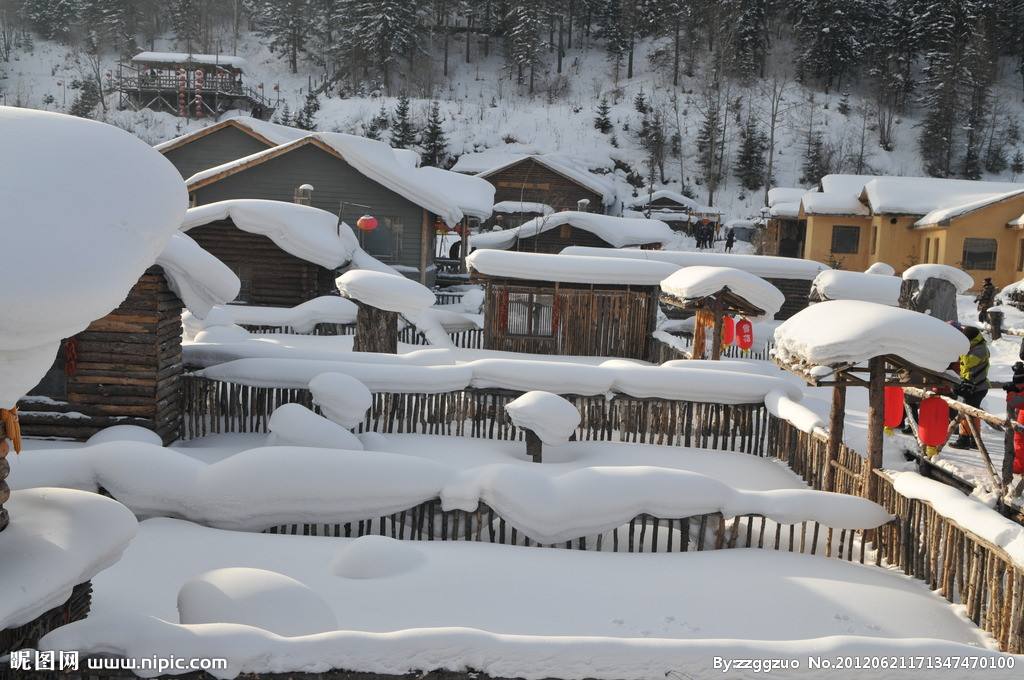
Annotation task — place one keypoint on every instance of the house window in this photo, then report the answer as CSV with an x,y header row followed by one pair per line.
x,y
1020,255
530,314
979,253
927,250
935,249
874,240
845,239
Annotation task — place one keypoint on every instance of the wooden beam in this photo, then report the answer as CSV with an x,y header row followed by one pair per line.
x,y
876,423
836,422
716,339
426,241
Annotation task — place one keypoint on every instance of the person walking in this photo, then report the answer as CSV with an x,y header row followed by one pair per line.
x,y
973,383
986,298
730,240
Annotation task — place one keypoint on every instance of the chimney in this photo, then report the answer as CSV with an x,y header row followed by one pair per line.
x,y
304,194
583,205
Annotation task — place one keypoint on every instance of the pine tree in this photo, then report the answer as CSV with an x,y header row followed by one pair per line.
x,y
284,115
305,119
187,22
748,22
53,19
403,132
640,103
749,167
830,34
87,99
526,21
286,23
816,162
611,27
385,29
844,104
1017,164
435,144
601,121
709,142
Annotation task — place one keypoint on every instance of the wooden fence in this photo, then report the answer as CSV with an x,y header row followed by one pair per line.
x,y
662,351
468,339
319,329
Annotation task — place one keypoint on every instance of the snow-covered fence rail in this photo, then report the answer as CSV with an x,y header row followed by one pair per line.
x,y
467,339
959,564
667,347
215,406
319,329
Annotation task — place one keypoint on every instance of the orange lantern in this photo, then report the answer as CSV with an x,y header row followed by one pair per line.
x,y
745,334
367,223
893,408
728,330
933,423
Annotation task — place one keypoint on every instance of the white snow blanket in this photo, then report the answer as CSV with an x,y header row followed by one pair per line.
x,y
826,203
306,232
785,407
473,196
385,291
853,331
523,207
57,539
254,597
837,284
296,425
927,195
272,132
397,376
777,195
549,416
683,200
181,57
93,216
569,268
197,277
765,266
967,206
958,277
341,398
302,318
881,268
693,283
617,231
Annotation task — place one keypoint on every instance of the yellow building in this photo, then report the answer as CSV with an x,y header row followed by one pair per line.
x,y
855,221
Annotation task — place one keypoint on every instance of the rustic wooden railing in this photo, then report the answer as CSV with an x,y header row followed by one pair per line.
x,y
468,339
319,329
663,351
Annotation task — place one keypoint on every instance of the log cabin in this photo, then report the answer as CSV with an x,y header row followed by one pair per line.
x,y
351,176
225,141
555,232
677,210
540,303
558,181
126,368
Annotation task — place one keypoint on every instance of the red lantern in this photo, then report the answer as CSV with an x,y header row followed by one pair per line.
x,y
745,334
367,223
893,407
1018,446
933,422
728,330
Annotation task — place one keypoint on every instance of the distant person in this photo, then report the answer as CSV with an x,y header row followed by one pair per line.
x,y
973,383
730,240
985,299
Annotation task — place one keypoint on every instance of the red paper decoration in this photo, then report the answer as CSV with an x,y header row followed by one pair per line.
x,y
933,421
728,330
745,334
367,223
893,406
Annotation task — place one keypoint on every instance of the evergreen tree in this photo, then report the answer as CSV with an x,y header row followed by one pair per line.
x,y
709,142
1017,164
611,27
601,120
403,132
435,144
748,21
385,29
305,119
749,167
53,19
640,103
187,21
816,162
526,20
844,104
284,115
87,99
830,35
286,23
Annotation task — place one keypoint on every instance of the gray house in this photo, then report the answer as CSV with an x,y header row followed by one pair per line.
x,y
225,141
353,176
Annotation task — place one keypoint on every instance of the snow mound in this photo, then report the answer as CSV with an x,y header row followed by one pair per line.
x,y
528,207
302,318
125,433
881,268
552,418
95,213
869,287
197,277
922,272
376,557
692,283
568,268
853,331
617,231
296,425
398,376
765,266
255,597
222,335
384,291
341,398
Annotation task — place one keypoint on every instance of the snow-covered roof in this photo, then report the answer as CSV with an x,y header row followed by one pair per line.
x,y
482,161
197,277
86,210
617,231
765,266
693,283
306,232
271,134
943,215
444,196
958,277
845,184
853,331
923,195
568,268
777,195
663,215
568,167
523,207
843,285
182,57
819,203
683,200
385,291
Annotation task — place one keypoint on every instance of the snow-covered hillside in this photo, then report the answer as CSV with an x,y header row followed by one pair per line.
x,y
484,108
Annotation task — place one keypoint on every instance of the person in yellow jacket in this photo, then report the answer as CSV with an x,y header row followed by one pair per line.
x,y
974,383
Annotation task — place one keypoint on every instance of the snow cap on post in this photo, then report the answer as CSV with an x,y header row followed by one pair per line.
x,y
341,398
552,418
92,204
958,277
881,268
296,425
385,291
693,283
836,284
853,331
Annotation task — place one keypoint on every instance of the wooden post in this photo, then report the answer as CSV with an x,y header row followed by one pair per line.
x,y
5,491
698,336
426,246
836,421
995,324
376,330
533,445
876,423
716,339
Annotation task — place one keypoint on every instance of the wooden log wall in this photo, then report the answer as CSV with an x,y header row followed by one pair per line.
x,y
127,370
532,182
27,636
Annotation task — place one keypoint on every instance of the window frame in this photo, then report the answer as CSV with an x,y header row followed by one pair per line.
x,y
974,265
535,317
837,230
